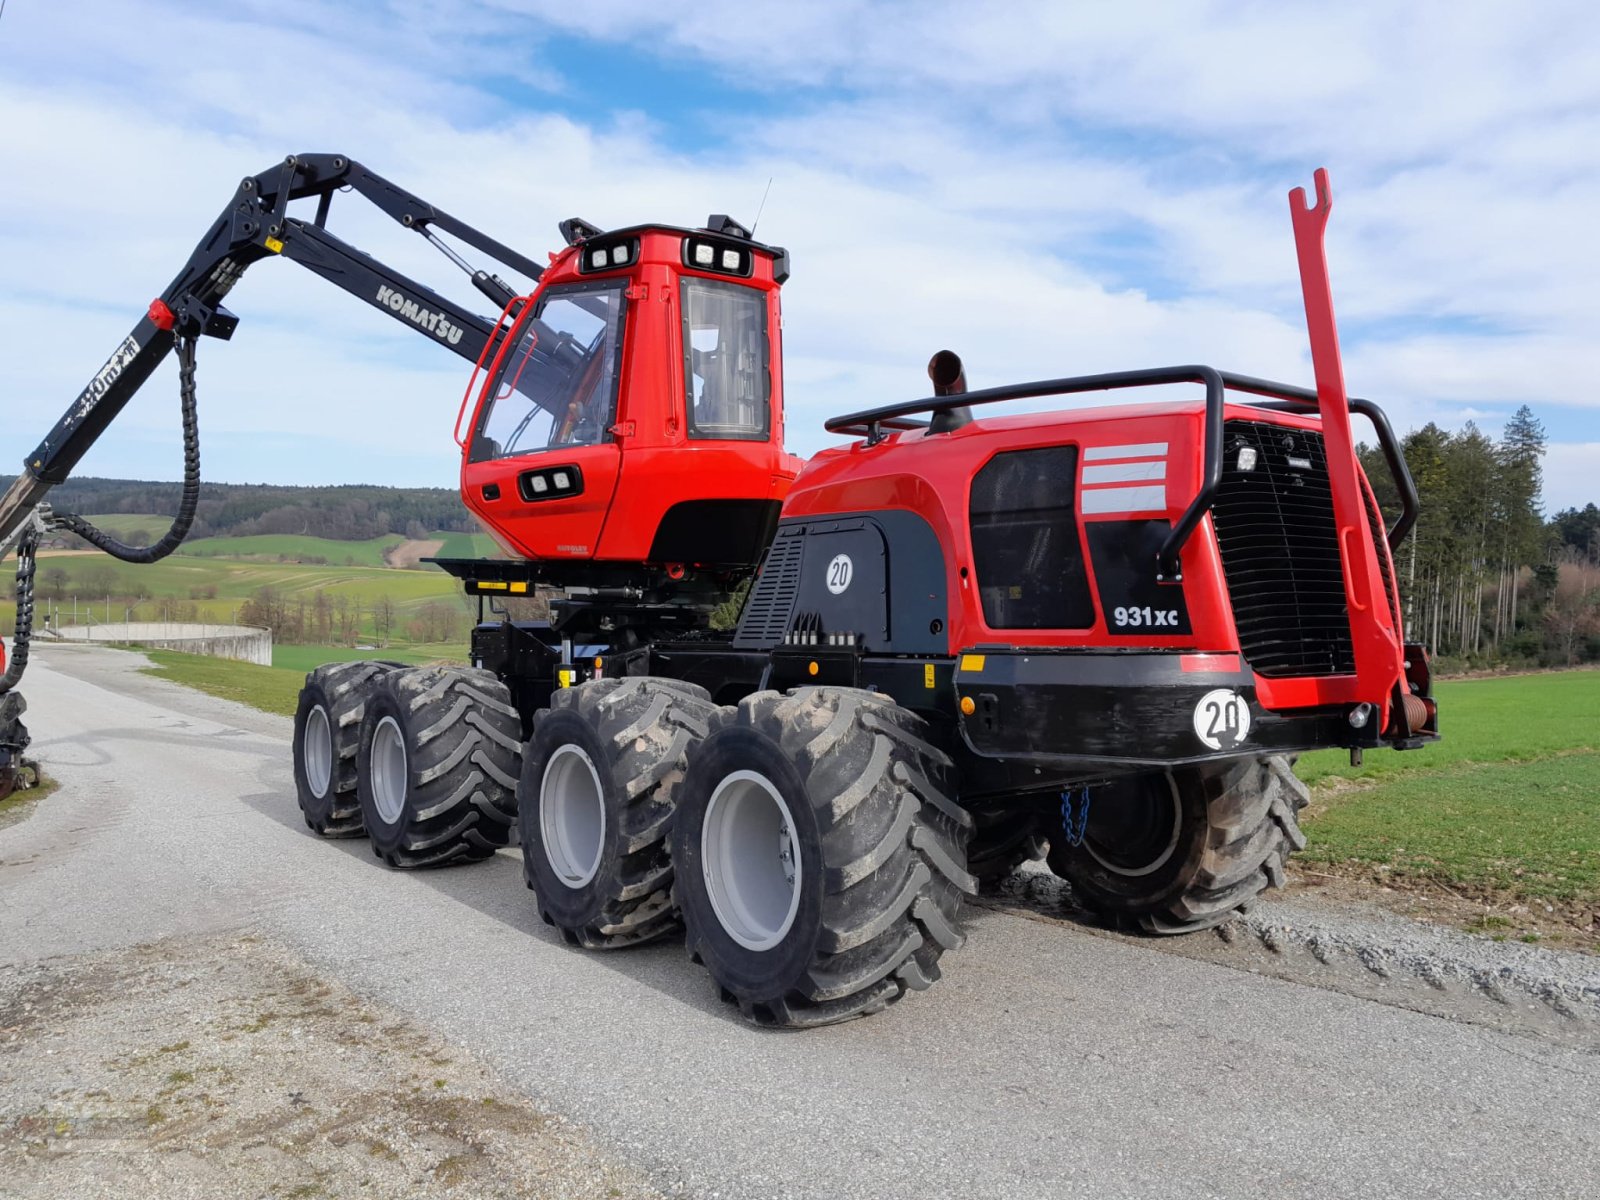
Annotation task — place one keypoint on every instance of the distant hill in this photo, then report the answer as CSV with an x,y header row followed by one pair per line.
x,y
347,513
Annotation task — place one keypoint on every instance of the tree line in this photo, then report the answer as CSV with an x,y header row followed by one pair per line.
x,y
1484,578
348,513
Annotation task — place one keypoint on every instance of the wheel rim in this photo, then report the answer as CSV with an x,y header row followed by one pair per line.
x,y
317,747
388,764
1133,834
750,855
572,816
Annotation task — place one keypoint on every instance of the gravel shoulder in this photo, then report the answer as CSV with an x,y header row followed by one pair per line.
x,y
226,1066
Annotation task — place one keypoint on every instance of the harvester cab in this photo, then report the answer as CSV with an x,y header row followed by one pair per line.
x,y
634,412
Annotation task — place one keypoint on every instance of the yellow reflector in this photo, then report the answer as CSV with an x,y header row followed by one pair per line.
x,y
967,706
813,668
972,662
519,587
491,585
274,245
927,675
564,675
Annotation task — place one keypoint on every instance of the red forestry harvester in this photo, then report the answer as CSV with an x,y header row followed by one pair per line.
x,y
966,637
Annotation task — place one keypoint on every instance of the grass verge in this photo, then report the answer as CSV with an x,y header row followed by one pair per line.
x,y
1503,815
275,689
19,804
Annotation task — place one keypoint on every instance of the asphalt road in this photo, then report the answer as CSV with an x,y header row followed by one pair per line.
x,y
1048,1062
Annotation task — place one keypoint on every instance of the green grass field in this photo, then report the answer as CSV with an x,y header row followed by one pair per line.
x,y
122,524
219,585
1506,807
468,545
283,547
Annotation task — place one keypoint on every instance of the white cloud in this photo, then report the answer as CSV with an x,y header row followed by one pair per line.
x,y
1046,189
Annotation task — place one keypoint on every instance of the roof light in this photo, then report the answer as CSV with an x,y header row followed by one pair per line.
x,y
704,254
538,483
560,480
598,258
619,254
730,260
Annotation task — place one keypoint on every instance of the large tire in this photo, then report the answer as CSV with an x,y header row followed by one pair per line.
x,y
1182,851
327,734
820,858
1002,840
438,766
599,786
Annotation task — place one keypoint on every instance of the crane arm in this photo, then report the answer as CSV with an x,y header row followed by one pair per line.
x,y
256,225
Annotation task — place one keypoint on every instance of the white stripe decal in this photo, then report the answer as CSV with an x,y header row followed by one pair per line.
x,y
1125,472
1142,450
1123,499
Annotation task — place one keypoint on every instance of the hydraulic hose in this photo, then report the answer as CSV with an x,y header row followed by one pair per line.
x,y
174,536
169,542
18,662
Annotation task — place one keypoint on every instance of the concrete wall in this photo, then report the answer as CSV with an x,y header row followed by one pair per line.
x,y
242,642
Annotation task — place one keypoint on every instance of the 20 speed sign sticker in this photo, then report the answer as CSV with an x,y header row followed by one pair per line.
x,y
1222,719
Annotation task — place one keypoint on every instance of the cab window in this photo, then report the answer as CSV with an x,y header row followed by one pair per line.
x,y
726,363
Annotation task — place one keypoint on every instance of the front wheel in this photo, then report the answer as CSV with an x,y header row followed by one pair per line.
x,y
1181,851
820,859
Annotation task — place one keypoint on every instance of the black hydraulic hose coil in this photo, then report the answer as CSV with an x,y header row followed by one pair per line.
x,y
23,629
174,536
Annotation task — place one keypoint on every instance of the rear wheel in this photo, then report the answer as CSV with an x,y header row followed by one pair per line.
x,y
600,778
327,733
820,858
438,762
1180,851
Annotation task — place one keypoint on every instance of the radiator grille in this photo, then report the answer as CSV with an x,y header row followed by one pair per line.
x,y
1280,552
766,614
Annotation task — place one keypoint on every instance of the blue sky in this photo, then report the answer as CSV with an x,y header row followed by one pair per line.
x,y
1047,188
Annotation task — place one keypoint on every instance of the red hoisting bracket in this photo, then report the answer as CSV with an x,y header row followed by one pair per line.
x,y
1378,658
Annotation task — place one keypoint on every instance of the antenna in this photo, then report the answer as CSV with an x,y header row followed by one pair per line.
x,y
759,208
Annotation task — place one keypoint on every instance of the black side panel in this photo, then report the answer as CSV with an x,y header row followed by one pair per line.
x,y
844,580
1135,605
1025,545
718,532
878,576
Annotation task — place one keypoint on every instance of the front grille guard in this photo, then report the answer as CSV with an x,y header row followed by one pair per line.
x,y
873,423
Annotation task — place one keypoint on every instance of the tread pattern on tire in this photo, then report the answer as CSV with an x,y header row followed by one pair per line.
x,y
345,687
464,750
894,848
1238,849
1254,827
646,725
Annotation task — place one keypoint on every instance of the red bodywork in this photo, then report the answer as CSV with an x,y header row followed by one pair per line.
x,y
650,463
931,475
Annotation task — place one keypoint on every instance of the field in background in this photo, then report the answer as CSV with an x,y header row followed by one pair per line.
x,y
1504,812
214,587
284,547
